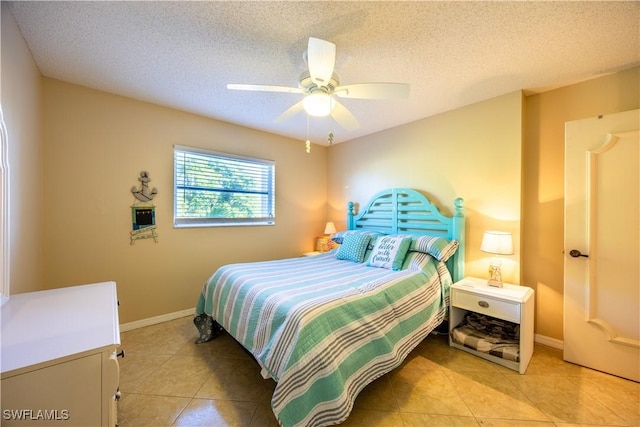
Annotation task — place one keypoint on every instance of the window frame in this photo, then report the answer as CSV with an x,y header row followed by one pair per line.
x,y
5,262
224,222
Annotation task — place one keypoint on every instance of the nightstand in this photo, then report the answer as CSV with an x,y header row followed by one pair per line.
x,y
512,303
313,253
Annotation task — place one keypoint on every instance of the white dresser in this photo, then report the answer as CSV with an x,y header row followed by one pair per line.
x,y
58,357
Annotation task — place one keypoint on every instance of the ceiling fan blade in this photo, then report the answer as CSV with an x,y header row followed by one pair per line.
x,y
290,112
344,117
264,88
321,56
373,91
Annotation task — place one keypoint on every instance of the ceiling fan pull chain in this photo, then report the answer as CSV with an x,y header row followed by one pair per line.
x,y
307,144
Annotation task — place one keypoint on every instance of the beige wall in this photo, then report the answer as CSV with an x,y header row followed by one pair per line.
x,y
96,145
543,178
21,100
472,152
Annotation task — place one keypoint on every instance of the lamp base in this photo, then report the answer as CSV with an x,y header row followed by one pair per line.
x,y
322,244
495,278
494,283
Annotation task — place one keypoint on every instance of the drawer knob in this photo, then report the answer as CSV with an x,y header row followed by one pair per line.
x,y
483,304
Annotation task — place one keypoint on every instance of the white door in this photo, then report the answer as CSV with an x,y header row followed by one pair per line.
x,y
601,244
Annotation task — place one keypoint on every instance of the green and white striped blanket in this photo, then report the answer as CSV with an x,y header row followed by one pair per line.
x,y
324,328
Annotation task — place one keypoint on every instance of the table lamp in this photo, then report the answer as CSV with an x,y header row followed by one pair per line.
x,y
497,243
330,228
323,244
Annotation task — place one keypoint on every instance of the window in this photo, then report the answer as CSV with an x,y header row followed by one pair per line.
x,y
213,189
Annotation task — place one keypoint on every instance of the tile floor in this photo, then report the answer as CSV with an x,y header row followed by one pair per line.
x,y
167,380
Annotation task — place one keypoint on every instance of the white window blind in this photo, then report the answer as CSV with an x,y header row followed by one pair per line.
x,y
212,188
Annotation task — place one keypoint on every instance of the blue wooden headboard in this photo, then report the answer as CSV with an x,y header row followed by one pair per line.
x,y
406,211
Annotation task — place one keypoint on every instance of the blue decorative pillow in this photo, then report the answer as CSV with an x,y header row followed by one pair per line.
x,y
389,252
340,235
438,247
353,247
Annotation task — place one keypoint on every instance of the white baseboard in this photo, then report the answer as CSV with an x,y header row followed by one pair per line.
x,y
548,341
124,327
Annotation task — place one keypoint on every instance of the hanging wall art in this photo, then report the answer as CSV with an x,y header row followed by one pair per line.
x,y
143,211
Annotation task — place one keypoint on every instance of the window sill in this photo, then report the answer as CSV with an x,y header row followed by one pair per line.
x,y
222,224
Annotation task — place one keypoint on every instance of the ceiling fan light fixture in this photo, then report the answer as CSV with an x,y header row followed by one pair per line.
x,y
318,104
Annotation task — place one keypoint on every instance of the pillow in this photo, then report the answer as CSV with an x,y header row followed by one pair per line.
x,y
419,261
389,252
353,247
339,236
438,247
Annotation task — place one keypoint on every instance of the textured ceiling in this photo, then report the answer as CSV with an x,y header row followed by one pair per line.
x,y
182,54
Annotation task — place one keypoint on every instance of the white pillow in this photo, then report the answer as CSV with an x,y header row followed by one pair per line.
x,y
389,252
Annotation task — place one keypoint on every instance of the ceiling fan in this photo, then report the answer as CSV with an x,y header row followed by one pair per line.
x,y
319,85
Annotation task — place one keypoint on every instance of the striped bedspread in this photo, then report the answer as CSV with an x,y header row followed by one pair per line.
x,y
324,328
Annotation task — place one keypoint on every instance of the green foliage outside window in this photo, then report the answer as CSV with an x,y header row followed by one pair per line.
x,y
221,189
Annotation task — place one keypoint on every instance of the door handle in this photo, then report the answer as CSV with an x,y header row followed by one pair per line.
x,y
576,253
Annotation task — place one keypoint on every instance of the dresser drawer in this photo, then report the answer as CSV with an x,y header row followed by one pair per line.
x,y
483,304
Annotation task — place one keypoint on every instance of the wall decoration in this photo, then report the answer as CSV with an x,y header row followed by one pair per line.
x,y
143,194
143,212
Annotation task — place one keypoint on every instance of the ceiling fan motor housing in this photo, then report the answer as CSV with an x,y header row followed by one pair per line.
x,y
305,82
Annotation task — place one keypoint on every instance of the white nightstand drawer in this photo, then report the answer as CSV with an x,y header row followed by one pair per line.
x,y
486,305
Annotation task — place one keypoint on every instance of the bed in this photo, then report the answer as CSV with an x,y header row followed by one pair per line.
x,y
324,327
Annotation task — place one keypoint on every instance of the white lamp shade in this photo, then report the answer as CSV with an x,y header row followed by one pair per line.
x,y
330,228
318,104
497,242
